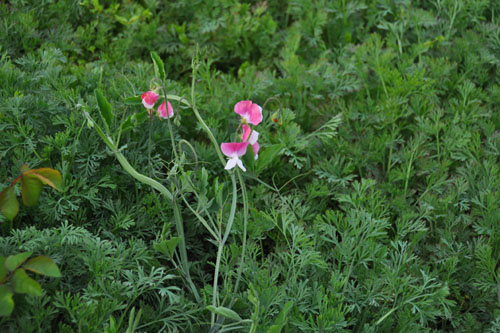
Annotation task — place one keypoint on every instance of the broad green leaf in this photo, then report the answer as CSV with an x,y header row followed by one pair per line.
x,y
158,63
280,321
9,206
13,262
31,188
6,302
133,100
3,269
23,284
128,123
43,265
268,155
48,176
104,107
228,313
141,117
167,247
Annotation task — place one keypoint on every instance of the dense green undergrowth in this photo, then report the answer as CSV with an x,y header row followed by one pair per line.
x,y
388,220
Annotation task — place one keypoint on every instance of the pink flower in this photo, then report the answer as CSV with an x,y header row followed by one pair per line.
x,y
250,112
251,137
234,150
162,110
149,99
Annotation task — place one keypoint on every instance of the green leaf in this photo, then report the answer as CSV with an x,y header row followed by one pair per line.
x,y
133,100
167,247
141,117
268,155
104,107
225,312
43,265
6,302
13,262
158,63
23,284
9,206
31,187
48,176
281,320
3,269
128,123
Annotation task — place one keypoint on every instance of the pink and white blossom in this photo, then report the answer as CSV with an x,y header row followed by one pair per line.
x,y
149,99
251,136
162,110
249,112
234,150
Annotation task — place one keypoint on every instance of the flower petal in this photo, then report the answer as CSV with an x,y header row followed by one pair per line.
x,y
256,148
240,164
255,114
243,107
162,110
149,99
246,132
231,163
232,149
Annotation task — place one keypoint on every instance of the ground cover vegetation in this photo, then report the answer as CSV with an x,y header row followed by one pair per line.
x,y
373,206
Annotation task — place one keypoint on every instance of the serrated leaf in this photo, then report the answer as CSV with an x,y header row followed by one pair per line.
x,y
104,107
48,176
133,100
31,187
268,155
3,269
6,302
43,265
13,262
9,206
222,311
23,284
158,64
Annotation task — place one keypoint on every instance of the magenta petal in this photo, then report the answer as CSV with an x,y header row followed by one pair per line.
x,y
255,114
256,148
246,132
243,107
149,99
231,149
162,110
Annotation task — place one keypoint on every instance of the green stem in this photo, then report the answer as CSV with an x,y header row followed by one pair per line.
x,y
245,223
221,247
182,248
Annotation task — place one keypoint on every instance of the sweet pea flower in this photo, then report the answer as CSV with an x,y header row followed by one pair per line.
x,y
249,112
149,99
162,110
234,150
251,137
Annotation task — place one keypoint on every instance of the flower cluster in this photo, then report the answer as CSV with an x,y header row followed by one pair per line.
x,y
149,99
250,113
